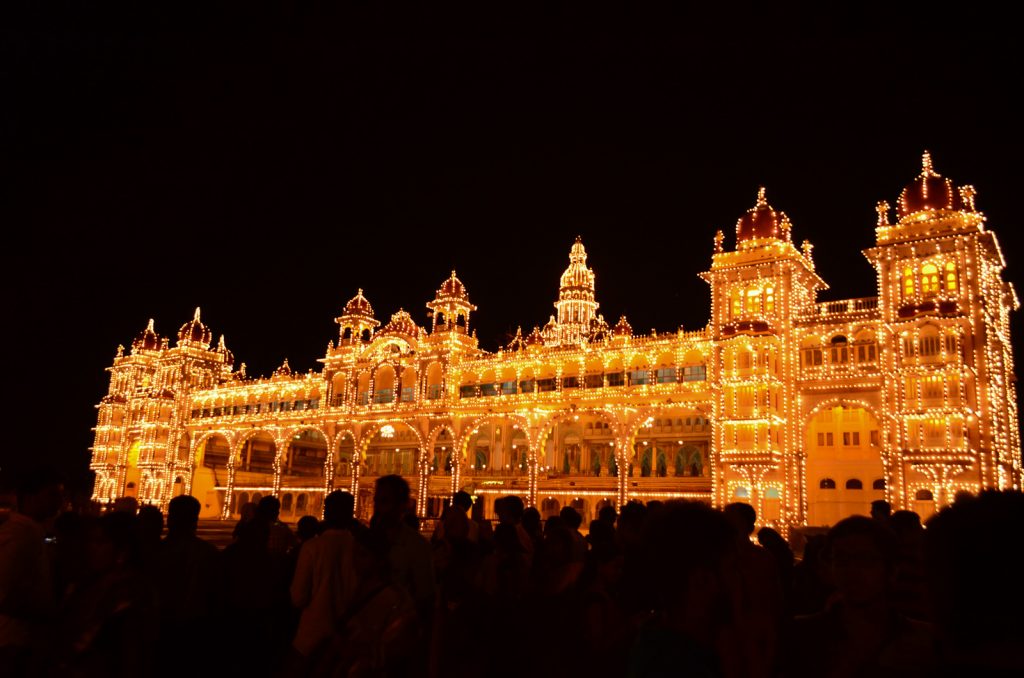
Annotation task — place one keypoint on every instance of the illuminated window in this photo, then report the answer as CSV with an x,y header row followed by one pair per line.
x,y
742,493
737,304
930,344
950,276
840,351
929,280
769,299
753,302
950,345
908,282
744,360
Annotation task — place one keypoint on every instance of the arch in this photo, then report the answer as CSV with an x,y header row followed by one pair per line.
x,y
408,393
908,282
839,350
549,507
923,495
301,503
527,380
741,492
344,454
929,279
878,484
305,455
363,388
615,374
286,503
384,384
929,343
951,283
840,440
865,346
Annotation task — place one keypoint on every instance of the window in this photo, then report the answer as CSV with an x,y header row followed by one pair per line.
x,y
695,373
932,389
951,276
615,379
840,350
930,345
744,360
875,440
769,299
908,282
846,438
878,484
929,280
827,484
407,395
570,382
467,391
666,375
742,492
821,440
544,385
528,385
638,377
829,442
772,493
923,495
384,395
737,304
434,391
508,387
811,356
854,484
950,345
489,389
856,438
753,302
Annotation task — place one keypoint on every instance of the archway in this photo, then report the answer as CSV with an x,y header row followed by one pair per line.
x,y
304,459
392,449
343,455
843,460
213,455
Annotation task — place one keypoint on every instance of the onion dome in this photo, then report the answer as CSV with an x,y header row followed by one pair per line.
x,y
928,192
358,305
229,357
535,338
761,221
195,330
622,328
284,370
578,275
518,343
147,339
401,323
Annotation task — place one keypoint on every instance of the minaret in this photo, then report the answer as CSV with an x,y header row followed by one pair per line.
x,y
356,321
576,305
450,308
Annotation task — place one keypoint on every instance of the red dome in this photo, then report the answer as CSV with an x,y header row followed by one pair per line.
x,y
358,305
622,328
195,330
401,323
761,221
928,192
452,288
147,339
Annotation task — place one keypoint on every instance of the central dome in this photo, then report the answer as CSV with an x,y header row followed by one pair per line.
x,y
928,192
761,221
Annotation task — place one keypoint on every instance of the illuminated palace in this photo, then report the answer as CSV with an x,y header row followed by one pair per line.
x,y
807,409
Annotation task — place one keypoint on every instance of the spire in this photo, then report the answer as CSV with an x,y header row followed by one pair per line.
x,y
220,343
926,165
762,201
196,316
149,327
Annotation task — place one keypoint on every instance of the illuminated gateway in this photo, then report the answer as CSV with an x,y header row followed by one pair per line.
x,y
808,410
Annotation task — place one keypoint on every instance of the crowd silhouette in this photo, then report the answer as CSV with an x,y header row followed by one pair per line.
x,y
659,589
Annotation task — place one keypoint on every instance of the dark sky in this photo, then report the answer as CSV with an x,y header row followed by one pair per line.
x,y
264,163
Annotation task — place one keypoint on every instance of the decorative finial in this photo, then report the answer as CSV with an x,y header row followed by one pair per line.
x,y
926,165
453,273
241,371
967,195
149,327
120,350
196,316
360,292
579,239
762,201
882,208
719,239
220,344
808,248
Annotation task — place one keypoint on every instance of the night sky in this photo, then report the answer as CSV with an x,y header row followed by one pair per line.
x,y
265,163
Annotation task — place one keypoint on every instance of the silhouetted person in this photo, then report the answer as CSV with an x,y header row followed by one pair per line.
x,y
971,561
129,505
880,509
910,582
325,577
573,520
811,586
26,576
280,537
773,542
252,586
688,544
188,587
411,564
607,515
861,634
109,621
149,524
306,528
533,527
510,511
760,608
246,512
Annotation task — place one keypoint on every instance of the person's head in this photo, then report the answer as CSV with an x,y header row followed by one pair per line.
x,y
742,517
307,528
40,493
506,541
390,499
880,509
571,517
771,540
129,505
268,509
462,500
339,507
112,543
861,556
247,512
905,523
510,510
607,514
150,523
183,515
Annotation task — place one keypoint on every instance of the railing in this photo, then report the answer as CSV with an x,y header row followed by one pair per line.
x,y
848,306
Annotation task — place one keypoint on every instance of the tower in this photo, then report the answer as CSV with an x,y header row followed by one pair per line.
x,y
450,308
356,323
945,344
576,307
757,291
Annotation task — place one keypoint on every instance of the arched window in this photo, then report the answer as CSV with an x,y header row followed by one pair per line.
x,y
827,484
753,302
772,493
742,492
769,299
737,304
878,484
951,284
923,495
865,347
908,282
840,350
929,280
854,484
930,344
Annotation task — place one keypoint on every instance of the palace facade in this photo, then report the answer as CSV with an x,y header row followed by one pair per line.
x,y
807,409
